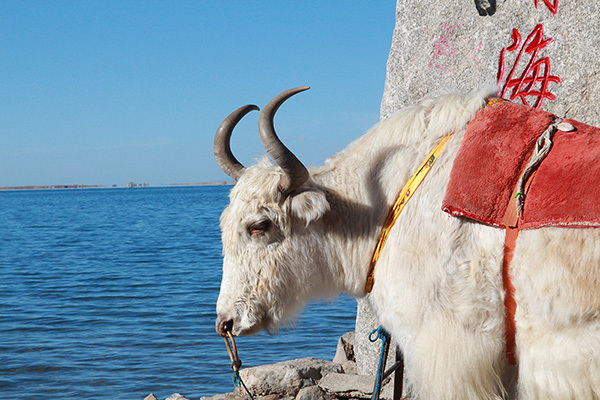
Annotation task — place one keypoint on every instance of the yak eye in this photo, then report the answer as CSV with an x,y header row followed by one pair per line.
x,y
259,227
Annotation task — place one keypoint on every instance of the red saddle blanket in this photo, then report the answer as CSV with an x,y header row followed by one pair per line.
x,y
498,144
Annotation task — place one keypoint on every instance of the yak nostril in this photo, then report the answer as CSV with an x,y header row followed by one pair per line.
x,y
224,327
228,326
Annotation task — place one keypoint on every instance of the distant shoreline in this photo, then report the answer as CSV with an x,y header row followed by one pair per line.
x,y
129,185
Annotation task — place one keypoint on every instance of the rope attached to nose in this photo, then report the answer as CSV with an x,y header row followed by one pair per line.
x,y
236,363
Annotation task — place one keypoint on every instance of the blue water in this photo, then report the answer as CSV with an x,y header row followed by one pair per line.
x,y
110,293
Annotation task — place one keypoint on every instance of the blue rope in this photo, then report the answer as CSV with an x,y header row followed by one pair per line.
x,y
237,380
384,336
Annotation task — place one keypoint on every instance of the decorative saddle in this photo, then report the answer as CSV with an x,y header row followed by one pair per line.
x,y
495,153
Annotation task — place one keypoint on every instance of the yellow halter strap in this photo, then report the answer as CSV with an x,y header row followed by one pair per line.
x,y
405,195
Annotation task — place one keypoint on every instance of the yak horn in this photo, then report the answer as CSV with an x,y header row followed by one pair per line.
x,y
225,158
295,172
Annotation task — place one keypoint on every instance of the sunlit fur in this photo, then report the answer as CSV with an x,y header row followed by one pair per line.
x,y
438,281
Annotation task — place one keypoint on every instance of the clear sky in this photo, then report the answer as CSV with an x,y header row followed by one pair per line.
x,y
108,92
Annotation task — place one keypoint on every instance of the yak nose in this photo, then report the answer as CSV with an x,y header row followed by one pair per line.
x,y
223,326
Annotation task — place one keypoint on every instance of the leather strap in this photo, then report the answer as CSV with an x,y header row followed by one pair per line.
x,y
510,304
511,221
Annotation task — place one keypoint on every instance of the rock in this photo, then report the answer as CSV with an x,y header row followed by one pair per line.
x,y
312,393
286,378
345,348
275,397
349,367
353,386
226,396
176,396
151,396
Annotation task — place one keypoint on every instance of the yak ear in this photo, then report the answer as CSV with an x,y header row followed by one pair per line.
x,y
309,204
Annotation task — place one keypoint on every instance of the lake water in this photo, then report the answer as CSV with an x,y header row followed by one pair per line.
x,y
110,293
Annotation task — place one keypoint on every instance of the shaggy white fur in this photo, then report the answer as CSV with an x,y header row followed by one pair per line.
x,y
439,279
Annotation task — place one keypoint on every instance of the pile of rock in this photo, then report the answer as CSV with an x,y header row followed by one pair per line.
x,y
175,396
306,379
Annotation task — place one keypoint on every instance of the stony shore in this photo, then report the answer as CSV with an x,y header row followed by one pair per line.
x,y
305,379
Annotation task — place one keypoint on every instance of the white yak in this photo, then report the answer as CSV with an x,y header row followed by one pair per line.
x,y
292,234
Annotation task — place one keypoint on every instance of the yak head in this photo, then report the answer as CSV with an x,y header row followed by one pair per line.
x,y
272,232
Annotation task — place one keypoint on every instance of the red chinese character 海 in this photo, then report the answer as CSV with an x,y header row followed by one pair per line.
x,y
552,6
535,77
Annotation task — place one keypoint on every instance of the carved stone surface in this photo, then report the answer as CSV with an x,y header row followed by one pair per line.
x,y
365,352
440,46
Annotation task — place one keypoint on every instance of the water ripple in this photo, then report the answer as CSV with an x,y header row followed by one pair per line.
x,y
111,293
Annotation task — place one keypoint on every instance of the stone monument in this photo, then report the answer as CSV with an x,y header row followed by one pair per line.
x,y
544,53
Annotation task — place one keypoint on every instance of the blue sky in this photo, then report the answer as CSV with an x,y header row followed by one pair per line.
x,y
108,92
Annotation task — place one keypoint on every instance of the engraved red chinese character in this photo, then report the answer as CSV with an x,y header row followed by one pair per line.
x,y
552,6
535,77
450,45
443,48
